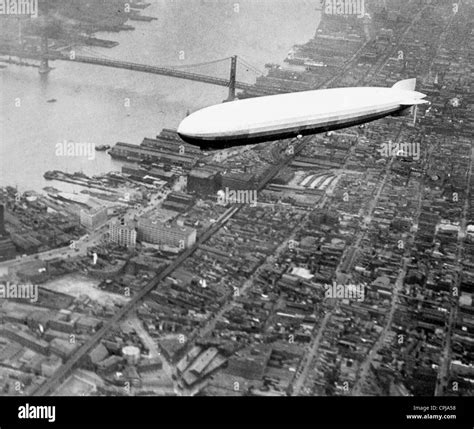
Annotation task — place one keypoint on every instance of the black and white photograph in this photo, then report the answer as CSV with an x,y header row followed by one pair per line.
x,y
259,208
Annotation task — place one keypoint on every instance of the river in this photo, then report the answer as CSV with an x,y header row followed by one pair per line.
x,y
103,106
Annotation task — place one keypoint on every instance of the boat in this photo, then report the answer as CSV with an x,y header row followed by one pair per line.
x,y
102,147
52,100
51,175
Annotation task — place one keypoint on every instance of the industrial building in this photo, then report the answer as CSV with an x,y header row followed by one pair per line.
x,y
123,233
132,152
178,202
167,234
237,181
204,181
94,218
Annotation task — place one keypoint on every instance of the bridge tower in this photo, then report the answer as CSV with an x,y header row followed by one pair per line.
x,y
233,76
44,65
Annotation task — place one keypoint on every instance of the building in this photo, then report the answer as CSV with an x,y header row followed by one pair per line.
x,y
94,218
2,220
62,348
50,366
165,234
204,182
130,152
178,202
238,181
7,247
25,339
148,175
123,233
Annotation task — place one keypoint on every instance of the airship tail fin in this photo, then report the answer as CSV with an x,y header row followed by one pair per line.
x,y
414,102
405,85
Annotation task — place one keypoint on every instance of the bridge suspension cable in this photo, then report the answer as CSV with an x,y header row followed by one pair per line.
x,y
198,64
97,54
173,66
251,66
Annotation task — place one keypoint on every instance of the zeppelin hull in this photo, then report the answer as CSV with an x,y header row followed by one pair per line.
x,y
209,143
261,119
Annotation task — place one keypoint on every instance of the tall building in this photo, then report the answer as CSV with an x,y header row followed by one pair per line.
x,y
94,218
173,235
123,233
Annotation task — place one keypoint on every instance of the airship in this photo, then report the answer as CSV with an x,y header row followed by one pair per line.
x,y
276,117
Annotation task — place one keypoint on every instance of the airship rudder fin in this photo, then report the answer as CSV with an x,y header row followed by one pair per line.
x,y
405,85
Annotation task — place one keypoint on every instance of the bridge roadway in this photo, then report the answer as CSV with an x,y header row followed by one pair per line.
x,y
163,71
63,372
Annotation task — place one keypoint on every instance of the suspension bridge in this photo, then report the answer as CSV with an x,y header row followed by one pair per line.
x,y
44,57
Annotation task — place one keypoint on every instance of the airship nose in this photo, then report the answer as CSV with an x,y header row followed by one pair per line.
x,y
187,127
201,124
206,123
